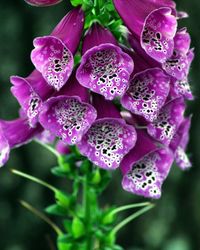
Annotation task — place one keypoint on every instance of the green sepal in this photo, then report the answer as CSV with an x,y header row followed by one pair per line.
x,y
85,166
64,242
58,171
96,177
78,228
76,2
68,226
62,199
56,210
108,217
110,239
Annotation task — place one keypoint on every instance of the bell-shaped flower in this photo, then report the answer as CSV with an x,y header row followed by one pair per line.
x,y
42,3
109,138
14,134
145,168
147,93
180,88
53,54
153,23
62,148
30,93
168,121
179,144
67,114
178,64
105,69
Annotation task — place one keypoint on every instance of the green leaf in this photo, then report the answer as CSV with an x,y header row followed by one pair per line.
x,y
56,210
78,228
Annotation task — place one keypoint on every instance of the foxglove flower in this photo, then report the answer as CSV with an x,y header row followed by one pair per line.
x,y
179,63
109,138
180,88
146,175
67,114
153,23
147,93
177,87
14,134
42,3
105,68
62,148
179,144
30,93
53,55
168,121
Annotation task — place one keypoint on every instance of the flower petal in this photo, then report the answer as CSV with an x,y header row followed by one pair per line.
x,y
67,117
168,121
107,141
30,92
53,59
139,151
134,12
69,30
158,33
179,63
182,159
179,144
42,3
4,149
146,176
18,132
104,108
62,148
96,36
105,69
147,93
180,88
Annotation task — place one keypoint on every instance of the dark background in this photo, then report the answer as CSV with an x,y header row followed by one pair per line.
x,y
174,224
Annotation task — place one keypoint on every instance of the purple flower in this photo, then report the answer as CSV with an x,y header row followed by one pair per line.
x,y
30,93
146,175
179,63
179,144
153,23
53,55
180,88
14,134
62,148
105,68
145,168
147,93
67,114
109,138
168,121
42,3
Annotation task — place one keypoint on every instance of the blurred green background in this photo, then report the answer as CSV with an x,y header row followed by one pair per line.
x,y
174,224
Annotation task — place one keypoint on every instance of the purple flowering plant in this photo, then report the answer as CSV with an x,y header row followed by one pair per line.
x,y
108,91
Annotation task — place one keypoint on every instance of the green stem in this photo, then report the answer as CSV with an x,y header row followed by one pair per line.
x,y
86,197
51,149
126,207
130,218
34,179
41,216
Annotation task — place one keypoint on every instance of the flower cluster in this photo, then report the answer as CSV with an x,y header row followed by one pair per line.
x,y
122,106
